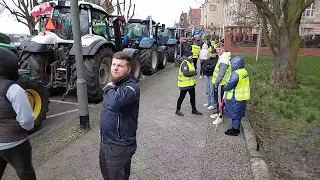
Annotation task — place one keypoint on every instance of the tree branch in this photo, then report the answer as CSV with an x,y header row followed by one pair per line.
x,y
260,4
265,33
129,10
134,9
304,5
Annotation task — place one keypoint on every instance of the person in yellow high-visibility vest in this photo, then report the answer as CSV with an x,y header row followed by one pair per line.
x,y
237,94
220,77
213,44
195,49
187,83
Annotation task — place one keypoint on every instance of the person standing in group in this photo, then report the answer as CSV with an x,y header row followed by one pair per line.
x,y
195,49
207,69
237,93
187,83
119,120
16,118
220,76
204,55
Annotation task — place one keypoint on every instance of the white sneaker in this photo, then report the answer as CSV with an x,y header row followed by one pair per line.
x,y
205,105
214,116
210,107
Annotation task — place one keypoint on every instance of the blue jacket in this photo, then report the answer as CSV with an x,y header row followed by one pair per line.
x,y
234,109
119,115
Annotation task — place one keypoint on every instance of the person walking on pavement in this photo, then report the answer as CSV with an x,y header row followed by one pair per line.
x,y
16,118
204,55
195,49
186,83
220,76
237,92
207,69
119,120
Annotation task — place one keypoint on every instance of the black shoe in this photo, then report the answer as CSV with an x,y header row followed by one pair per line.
x,y
196,112
179,113
232,132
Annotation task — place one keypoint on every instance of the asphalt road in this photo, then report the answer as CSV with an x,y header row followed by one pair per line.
x,y
60,111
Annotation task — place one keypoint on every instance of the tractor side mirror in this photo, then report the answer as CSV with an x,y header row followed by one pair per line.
x,y
163,27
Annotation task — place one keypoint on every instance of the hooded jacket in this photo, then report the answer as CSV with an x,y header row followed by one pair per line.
x,y
204,53
234,109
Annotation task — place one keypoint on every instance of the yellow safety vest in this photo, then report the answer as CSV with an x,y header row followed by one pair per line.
x,y
195,50
242,90
226,75
210,49
213,44
184,81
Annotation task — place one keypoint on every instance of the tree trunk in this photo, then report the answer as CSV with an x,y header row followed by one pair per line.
x,y
285,68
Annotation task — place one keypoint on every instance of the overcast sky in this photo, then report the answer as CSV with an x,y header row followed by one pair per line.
x,y
163,11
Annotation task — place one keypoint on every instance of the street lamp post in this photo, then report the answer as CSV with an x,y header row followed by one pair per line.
x,y
81,81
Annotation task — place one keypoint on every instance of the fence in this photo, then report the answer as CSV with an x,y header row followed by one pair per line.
x,y
249,47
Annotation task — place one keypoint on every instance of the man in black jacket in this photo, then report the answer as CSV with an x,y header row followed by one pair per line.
x,y
16,117
119,120
207,69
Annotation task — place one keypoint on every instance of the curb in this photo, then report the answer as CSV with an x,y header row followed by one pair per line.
x,y
258,165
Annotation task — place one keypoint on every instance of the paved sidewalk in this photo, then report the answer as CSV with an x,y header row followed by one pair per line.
x,y
169,147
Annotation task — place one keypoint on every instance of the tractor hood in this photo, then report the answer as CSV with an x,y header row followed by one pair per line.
x,y
172,41
48,37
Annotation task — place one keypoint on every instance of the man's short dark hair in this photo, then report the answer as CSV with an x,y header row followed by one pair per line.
x,y
124,56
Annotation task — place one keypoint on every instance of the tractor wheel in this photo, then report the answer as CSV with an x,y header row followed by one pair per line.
x,y
136,66
38,98
172,52
149,60
164,57
97,70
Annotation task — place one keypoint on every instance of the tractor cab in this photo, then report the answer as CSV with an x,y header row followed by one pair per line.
x,y
137,29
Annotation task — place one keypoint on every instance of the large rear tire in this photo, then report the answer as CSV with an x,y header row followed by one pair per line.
x,y
149,60
97,70
164,58
172,52
136,64
38,98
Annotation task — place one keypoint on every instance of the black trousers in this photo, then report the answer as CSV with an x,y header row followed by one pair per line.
x,y
218,95
20,158
115,161
195,61
192,93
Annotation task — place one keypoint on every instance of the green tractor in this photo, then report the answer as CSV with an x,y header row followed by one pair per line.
x,y
37,93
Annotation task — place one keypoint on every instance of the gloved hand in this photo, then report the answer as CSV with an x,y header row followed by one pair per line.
x,y
200,77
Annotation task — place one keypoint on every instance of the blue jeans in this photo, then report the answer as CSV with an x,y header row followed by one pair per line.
x,y
236,123
210,91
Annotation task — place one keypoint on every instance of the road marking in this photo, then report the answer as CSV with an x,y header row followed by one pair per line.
x,y
62,113
64,102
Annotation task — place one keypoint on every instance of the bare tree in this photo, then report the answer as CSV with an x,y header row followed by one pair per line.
x,y
284,17
129,9
21,11
246,15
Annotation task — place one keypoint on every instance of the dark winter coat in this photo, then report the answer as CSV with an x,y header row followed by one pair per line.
x,y
208,66
119,115
234,109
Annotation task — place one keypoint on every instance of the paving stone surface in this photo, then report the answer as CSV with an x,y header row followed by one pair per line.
x,y
169,147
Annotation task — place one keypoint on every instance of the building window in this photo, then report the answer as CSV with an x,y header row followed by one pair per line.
x,y
212,7
309,11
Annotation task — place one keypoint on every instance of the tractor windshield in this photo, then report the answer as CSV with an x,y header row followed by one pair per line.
x,y
169,33
62,18
136,31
